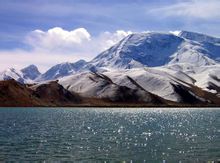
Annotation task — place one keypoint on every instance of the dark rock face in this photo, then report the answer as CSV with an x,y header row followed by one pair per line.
x,y
125,94
54,93
186,96
122,94
13,93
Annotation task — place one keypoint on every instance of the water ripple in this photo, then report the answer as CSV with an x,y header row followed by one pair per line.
x,y
119,134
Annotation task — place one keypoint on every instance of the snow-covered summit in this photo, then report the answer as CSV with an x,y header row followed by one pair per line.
x,y
156,49
12,73
25,75
61,70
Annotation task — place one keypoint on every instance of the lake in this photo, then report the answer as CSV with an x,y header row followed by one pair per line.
x,y
161,135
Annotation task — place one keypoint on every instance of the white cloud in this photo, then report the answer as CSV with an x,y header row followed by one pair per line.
x,y
57,39
58,45
78,40
203,9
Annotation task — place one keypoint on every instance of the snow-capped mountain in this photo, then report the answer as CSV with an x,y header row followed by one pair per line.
x,y
12,73
148,67
172,67
30,72
141,50
61,70
136,50
25,75
157,49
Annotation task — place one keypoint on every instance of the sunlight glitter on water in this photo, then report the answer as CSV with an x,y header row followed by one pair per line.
x,y
111,134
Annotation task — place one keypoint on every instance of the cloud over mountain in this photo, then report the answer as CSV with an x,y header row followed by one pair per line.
x,y
79,39
59,45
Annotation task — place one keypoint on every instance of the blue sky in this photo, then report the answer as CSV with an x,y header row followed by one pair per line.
x,y
99,21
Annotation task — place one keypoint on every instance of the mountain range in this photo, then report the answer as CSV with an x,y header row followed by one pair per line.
x,y
152,67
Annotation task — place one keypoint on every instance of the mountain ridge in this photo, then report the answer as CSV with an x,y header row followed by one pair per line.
x,y
140,50
156,49
142,68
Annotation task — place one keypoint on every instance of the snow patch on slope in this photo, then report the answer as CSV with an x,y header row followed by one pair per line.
x,y
155,80
12,73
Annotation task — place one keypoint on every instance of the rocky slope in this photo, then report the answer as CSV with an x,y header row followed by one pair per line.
x,y
13,93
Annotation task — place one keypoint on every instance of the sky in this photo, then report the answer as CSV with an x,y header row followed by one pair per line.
x,y
47,32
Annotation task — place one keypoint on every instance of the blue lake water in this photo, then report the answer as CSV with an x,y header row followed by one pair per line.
x,y
110,135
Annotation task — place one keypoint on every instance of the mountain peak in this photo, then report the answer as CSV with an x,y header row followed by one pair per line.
x,y
80,61
30,72
62,69
149,49
157,49
64,63
31,66
12,73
